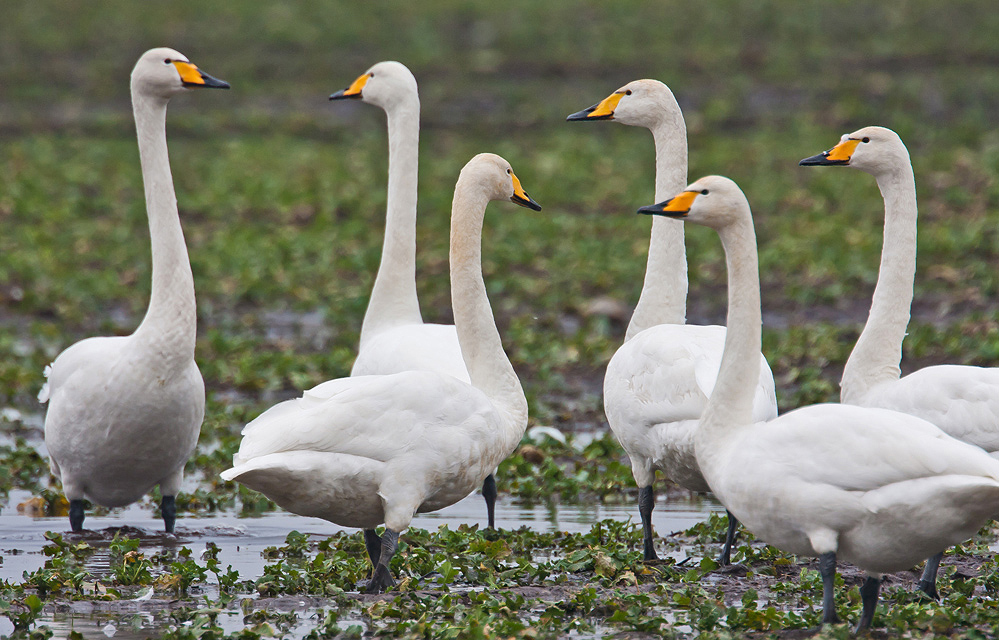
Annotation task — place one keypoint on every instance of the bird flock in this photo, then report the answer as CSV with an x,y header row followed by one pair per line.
x,y
901,469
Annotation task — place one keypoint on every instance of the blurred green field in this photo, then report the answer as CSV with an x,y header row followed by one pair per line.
x,y
282,194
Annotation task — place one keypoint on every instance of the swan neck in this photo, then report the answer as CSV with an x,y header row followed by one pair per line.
x,y
393,297
875,358
664,292
170,323
489,368
731,402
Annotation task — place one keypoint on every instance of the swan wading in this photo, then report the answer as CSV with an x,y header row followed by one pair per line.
x,y
961,400
367,450
394,337
878,488
658,382
124,413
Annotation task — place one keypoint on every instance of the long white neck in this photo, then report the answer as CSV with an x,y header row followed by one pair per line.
x,y
664,293
393,298
731,402
875,359
489,369
169,327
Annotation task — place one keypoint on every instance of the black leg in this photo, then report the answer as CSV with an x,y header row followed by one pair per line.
x,y
646,503
373,543
489,493
168,507
725,558
381,579
928,583
869,597
76,515
827,567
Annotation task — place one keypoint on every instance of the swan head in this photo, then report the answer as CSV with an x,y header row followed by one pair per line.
x,y
383,85
876,150
641,103
496,178
712,201
165,72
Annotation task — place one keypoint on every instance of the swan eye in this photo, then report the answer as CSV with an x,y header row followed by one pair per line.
x,y
167,61
628,92
704,192
866,139
509,172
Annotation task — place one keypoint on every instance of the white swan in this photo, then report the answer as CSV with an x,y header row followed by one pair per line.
x,y
961,400
125,412
367,450
394,337
658,382
878,488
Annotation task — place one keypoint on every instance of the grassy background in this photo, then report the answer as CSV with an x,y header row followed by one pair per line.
x,y
282,194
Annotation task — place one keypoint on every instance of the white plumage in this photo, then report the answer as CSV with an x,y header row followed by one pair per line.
x,y
658,382
878,488
394,337
961,400
368,450
124,413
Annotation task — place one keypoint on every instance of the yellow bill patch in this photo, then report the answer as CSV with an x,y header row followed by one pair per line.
x,y
682,202
189,73
843,151
355,87
518,190
607,106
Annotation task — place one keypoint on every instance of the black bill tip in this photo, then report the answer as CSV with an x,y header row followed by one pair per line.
x,y
659,210
343,95
527,201
208,82
821,160
585,115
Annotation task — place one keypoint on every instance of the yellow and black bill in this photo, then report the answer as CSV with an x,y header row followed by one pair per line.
x,y
676,207
838,155
354,90
194,77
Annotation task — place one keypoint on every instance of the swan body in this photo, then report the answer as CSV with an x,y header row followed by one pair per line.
x,y
879,488
367,450
658,382
124,413
961,400
654,410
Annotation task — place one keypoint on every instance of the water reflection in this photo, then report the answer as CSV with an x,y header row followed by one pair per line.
x,y
242,539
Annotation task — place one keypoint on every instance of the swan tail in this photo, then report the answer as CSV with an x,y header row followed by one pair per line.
x,y
337,487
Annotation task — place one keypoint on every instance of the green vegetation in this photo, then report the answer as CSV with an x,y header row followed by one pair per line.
x,y
591,582
282,200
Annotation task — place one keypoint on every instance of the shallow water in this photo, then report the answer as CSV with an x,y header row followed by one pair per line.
x,y
241,541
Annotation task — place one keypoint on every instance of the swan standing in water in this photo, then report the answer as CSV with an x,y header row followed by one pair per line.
x,y
394,337
878,488
124,413
658,382
961,400
367,450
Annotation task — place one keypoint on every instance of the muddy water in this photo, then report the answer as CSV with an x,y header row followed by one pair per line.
x,y
241,541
